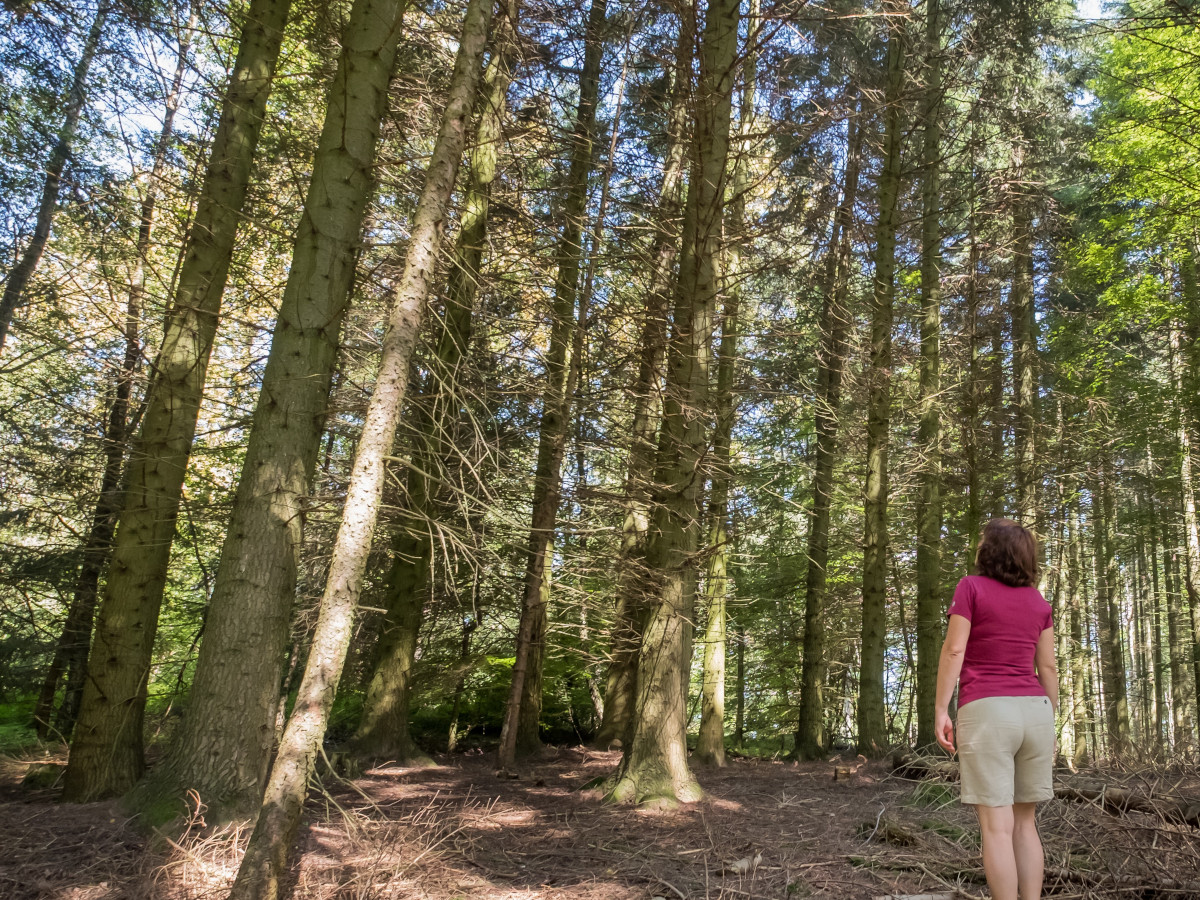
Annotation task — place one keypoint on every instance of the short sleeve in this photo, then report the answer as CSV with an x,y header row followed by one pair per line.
x,y
963,603
1048,619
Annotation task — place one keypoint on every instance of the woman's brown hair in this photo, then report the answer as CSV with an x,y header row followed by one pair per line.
x,y
1008,553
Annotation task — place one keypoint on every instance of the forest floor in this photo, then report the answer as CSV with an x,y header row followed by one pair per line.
x,y
767,830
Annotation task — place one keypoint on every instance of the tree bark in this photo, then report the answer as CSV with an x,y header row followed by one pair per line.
x,y
1077,659
22,272
710,742
71,653
1156,624
929,435
1024,343
519,733
1182,642
383,729
265,862
971,427
1112,661
224,747
1188,428
106,756
654,767
621,680
872,727
835,326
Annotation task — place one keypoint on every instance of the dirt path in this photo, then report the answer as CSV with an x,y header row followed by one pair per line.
x,y
767,829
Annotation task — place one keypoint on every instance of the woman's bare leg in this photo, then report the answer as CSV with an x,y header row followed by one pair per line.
x,y
1027,848
999,860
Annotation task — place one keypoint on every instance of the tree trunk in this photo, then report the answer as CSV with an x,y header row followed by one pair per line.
x,y
266,860
1024,342
621,680
996,453
71,652
1184,650
1076,660
1112,663
383,729
654,767
929,435
224,747
710,743
971,387
1140,591
835,325
1156,600
1191,415
1179,651
19,275
519,734
106,756
872,728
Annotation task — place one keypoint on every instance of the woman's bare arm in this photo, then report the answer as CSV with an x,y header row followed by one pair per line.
x,y
954,647
1046,666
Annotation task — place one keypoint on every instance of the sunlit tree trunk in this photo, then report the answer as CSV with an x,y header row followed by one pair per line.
x,y
835,324
710,742
621,679
383,729
519,733
654,767
265,864
929,435
1189,419
71,652
106,755
19,275
224,747
1076,659
872,727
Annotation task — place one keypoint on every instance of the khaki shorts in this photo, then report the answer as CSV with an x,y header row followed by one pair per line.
x,y
1006,750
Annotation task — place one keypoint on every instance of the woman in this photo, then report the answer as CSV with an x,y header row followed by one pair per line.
x,y
999,649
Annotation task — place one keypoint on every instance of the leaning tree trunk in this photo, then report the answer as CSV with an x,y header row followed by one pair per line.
x,y
18,277
710,742
265,863
654,766
383,729
872,726
831,360
223,749
929,434
621,680
71,653
519,733
106,756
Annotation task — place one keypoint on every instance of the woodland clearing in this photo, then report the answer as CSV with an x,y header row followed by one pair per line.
x,y
767,829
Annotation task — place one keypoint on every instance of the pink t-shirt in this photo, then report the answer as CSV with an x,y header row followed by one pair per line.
x,y
1005,625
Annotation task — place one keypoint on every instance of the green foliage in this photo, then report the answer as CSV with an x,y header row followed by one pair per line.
x,y
933,795
15,733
